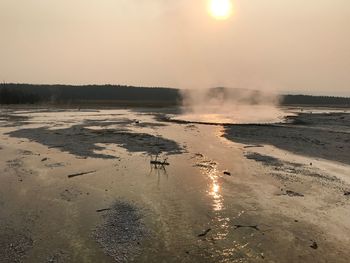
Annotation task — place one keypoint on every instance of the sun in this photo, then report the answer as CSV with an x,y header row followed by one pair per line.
x,y
220,9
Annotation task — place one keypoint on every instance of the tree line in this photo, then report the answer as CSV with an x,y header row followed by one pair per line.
x,y
64,94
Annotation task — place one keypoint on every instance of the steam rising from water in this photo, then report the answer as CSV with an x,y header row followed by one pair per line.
x,y
224,105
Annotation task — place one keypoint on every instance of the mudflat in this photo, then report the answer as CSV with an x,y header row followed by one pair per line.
x,y
121,185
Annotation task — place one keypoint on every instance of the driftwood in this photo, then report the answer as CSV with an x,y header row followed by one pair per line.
x,y
78,174
291,194
253,146
159,164
205,233
256,227
102,210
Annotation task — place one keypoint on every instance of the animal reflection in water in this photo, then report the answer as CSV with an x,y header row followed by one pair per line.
x,y
158,167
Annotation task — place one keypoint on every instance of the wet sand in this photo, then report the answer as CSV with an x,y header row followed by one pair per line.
x,y
78,186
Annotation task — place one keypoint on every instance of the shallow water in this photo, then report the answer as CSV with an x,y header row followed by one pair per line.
x,y
177,203
241,114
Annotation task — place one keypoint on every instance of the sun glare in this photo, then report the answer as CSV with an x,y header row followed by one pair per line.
x,y
220,9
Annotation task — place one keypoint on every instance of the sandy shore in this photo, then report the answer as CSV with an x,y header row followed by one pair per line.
x,y
78,186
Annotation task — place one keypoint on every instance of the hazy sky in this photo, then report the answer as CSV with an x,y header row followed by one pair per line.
x,y
284,45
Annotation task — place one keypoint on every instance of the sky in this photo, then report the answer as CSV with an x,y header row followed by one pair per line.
x,y
287,46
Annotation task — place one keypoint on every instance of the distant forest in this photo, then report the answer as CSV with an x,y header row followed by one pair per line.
x,y
119,95
88,94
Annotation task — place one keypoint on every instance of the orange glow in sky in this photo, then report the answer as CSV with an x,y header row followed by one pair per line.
x,y
220,9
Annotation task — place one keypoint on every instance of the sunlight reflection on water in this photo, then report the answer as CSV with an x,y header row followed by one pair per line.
x,y
214,190
233,251
209,169
236,115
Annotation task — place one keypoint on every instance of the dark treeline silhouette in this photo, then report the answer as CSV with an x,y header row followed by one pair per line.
x,y
125,95
104,94
315,100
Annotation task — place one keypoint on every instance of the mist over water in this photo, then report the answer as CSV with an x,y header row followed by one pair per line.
x,y
225,105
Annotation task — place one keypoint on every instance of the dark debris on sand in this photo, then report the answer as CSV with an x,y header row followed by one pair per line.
x,y
291,193
314,135
265,159
204,233
83,141
290,171
314,245
121,232
14,245
59,256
